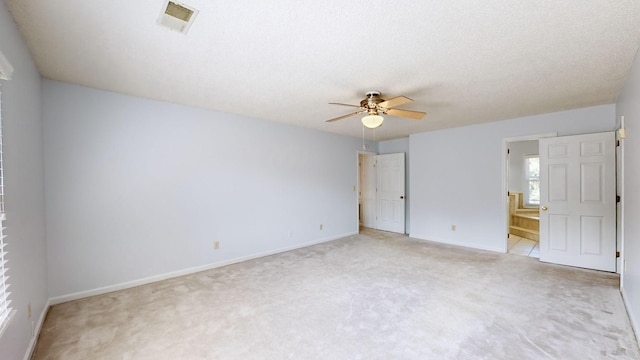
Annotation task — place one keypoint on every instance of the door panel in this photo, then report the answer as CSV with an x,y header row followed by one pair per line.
x,y
577,201
592,183
558,225
591,228
390,192
558,176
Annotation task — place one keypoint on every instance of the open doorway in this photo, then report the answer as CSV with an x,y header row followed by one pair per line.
x,y
523,164
366,190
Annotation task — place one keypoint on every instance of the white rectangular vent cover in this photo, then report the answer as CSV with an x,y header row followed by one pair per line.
x,y
6,70
176,16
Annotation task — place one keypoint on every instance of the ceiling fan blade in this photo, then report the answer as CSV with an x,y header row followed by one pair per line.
x,y
344,104
345,116
396,101
417,115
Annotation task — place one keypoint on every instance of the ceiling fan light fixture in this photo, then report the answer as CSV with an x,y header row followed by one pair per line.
x,y
372,121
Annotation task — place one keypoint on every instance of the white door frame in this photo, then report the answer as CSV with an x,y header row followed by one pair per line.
x,y
620,262
505,177
620,206
357,187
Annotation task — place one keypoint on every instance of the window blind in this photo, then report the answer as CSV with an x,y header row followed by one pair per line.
x,y
5,309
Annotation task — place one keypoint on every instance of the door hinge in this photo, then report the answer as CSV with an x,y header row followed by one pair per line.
x,y
617,254
617,198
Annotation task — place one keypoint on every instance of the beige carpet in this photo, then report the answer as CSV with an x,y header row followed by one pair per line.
x,y
371,296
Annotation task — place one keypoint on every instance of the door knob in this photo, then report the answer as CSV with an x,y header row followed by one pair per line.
x,y
544,208
401,196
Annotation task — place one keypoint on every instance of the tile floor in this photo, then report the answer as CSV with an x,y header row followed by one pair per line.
x,y
521,246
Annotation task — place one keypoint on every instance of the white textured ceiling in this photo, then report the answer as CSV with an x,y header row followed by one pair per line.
x,y
462,61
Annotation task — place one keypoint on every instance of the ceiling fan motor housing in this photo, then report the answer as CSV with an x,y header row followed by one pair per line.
x,y
372,100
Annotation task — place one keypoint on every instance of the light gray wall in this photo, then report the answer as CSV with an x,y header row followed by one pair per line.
x,y
138,188
629,106
400,146
457,174
518,150
24,189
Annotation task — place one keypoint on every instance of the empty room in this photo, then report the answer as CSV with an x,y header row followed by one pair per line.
x,y
319,180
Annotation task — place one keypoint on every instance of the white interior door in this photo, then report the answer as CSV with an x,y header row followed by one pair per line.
x,y
390,192
578,201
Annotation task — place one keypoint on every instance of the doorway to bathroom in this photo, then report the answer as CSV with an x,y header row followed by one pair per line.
x,y
523,186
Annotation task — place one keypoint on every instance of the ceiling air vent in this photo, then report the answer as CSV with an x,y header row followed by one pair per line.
x,y
6,70
176,16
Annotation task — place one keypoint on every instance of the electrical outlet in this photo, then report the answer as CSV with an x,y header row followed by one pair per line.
x,y
216,245
453,228
29,311
321,227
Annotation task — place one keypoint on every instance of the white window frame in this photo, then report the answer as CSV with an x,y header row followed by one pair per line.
x,y
528,178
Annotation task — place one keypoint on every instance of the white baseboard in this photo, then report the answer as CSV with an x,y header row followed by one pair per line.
x,y
36,331
457,243
634,325
151,279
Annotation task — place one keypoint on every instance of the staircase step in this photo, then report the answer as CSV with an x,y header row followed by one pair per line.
x,y
525,233
527,216
526,222
528,209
